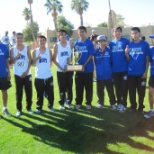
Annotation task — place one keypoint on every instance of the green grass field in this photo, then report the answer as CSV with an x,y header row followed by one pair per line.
x,y
95,131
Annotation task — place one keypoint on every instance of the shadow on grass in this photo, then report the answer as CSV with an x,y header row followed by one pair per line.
x,y
87,131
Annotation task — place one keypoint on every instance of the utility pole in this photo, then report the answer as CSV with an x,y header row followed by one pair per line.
x,y
110,14
110,20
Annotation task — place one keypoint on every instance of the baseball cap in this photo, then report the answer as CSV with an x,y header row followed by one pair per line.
x,y
101,37
151,36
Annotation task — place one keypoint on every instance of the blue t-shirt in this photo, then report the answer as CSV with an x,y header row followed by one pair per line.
x,y
103,64
151,60
4,55
85,50
119,61
138,53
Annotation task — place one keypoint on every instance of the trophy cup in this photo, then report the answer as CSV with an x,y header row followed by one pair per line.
x,y
77,66
76,55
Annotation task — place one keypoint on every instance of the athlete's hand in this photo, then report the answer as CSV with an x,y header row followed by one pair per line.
x,y
38,57
24,74
144,76
126,49
83,68
63,70
18,54
8,77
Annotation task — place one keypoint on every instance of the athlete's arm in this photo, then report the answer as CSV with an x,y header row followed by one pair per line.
x,y
71,46
89,58
8,68
50,57
34,59
147,66
127,53
54,58
12,58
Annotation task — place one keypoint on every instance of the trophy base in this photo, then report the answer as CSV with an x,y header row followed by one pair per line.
x,y
74,68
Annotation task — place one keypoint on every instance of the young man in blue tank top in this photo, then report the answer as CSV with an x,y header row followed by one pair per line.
x,y
42,59
21,59
4,76
62,52
151,83
102,59
84,79
119,68
137,53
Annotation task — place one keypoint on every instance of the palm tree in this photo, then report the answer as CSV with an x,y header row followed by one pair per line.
x,y
80,6
31,19
26,14
54,7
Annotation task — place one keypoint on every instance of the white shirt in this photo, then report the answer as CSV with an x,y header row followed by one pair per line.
x,y
63,54
43,70
21,64
5,40
13,42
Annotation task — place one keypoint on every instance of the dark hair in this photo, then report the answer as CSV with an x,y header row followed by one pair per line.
x,y
136,29
13,32
117,28
62,31
19,34
92,37
143,38
82,28
42,36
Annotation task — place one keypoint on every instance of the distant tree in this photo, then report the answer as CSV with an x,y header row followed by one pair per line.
x,y
63,23
103,24
27,32
54,7
79,6
30,2
120,20
26,13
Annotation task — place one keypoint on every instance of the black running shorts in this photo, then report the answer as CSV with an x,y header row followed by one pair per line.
x,y
4,84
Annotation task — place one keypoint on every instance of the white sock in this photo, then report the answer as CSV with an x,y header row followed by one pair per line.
x,y
4,107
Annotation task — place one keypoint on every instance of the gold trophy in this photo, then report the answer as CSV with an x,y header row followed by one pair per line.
x,y
76,67
76,55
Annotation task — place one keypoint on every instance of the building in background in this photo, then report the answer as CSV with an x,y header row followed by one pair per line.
x,y
145,31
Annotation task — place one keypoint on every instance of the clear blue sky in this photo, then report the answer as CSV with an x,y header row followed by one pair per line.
x,y
135,12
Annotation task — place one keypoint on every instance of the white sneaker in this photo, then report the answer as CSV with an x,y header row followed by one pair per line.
x,y
119,106
122,109
30,112
99,106
18,114
113,107
61,107
88,107
77,107
149,114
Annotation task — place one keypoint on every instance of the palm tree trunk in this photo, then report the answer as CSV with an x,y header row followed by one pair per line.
x,y
55,23
81,19
32,27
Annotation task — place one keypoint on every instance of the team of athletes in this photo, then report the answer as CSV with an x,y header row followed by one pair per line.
x,y
121,67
